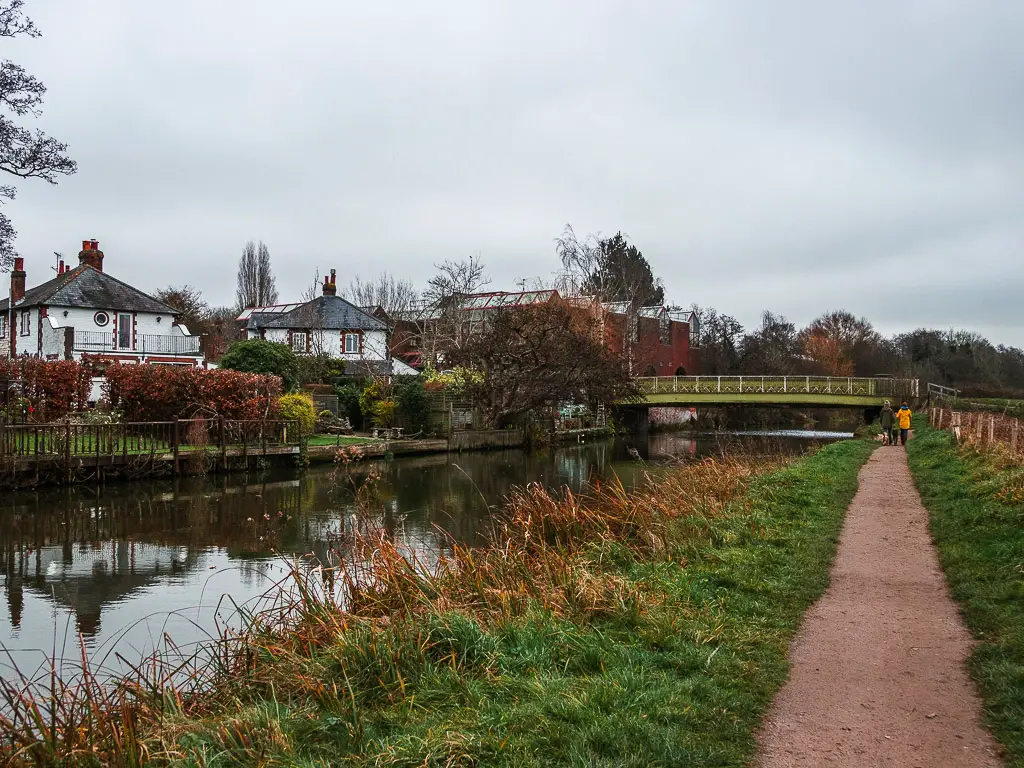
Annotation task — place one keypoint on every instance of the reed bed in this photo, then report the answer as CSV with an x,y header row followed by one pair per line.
x,y
377,659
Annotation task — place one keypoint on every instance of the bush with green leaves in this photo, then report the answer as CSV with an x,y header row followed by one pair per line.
x,y
299,407
412,401
261,356
348,403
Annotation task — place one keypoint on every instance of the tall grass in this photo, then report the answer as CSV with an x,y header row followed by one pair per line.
x,y
616,627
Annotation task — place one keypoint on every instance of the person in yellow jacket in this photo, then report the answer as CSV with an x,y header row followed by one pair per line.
x,y
903,416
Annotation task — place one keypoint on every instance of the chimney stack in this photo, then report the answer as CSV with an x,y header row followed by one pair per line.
x,y
91,255
330,286
18,280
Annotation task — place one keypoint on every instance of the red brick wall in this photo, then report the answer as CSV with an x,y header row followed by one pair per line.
x,y
648,352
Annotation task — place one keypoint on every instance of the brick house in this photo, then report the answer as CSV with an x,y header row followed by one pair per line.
x,y
656,341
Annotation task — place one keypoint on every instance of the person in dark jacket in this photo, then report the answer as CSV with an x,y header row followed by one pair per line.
x,y
888,425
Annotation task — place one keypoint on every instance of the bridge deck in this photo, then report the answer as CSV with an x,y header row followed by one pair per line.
x,y
774,390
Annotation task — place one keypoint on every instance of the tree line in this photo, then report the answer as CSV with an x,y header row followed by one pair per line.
x,y
838,343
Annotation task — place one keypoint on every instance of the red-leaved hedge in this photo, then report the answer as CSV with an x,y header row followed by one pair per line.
x,y
159,392
53,388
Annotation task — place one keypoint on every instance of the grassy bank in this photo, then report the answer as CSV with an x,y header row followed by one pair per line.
x,y
976,503
621,629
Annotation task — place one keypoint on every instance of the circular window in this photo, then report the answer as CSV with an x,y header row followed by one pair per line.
x,y
101,318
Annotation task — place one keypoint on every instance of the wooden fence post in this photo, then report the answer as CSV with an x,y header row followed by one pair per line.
x,y
978,428
942,413
175,436
223,443
991,429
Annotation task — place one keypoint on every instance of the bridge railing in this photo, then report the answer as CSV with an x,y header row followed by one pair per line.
x,y
780,385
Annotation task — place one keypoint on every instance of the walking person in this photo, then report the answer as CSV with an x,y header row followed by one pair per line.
x,y
888,419
903,415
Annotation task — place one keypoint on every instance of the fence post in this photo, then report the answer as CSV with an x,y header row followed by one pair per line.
x,y
942,413
175,439
979,427
223,444
719,383
991,429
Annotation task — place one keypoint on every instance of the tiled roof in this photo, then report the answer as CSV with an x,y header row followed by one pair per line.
x,y
329,312
85,286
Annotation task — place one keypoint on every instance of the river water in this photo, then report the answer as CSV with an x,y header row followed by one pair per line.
x,y
131,564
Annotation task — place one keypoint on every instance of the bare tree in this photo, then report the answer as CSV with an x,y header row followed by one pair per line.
x,y
312,315
442,327
256,284
23,153
534,357
193,311
393,295
612,271
455,278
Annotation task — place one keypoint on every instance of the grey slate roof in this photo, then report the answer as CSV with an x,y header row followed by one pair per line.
x,y
327,312
85,286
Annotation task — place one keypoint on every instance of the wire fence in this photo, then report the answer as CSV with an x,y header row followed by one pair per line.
x,y
982,430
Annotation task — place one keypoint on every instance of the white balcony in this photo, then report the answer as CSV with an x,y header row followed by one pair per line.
x,y
94,342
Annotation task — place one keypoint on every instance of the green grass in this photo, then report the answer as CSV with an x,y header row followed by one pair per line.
x,y
976,503
1010,407
318,440
677,670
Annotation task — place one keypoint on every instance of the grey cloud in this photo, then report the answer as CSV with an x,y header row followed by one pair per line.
x,y
786,155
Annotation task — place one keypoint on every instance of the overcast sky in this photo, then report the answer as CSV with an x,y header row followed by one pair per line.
x,y
793,156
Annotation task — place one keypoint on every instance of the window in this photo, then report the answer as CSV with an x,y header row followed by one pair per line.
x,y
101,319
3,325
26,322
125,326
299,341
351,343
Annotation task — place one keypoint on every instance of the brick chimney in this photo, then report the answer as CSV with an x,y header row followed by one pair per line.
x,y
330,285
91,255
18,280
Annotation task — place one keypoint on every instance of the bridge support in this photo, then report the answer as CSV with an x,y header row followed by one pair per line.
x,y
637,421
872,414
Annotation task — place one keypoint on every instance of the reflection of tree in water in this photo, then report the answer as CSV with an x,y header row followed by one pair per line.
x,y
87,549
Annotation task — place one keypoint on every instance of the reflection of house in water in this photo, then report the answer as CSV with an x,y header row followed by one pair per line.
x,y
83,578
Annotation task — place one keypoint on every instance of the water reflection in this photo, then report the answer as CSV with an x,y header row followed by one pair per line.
x,y
127,564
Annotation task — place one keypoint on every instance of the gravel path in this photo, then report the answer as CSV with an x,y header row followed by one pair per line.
x,y
878,675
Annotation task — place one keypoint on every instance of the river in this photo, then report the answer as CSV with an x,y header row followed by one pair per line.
x,y
130,564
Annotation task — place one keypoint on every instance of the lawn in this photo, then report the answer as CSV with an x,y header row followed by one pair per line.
x,y
320,440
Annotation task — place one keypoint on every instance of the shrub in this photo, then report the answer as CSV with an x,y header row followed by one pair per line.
x,y
298,407
51,389
161,393
384,413
413,404
266,357
348,404
375,391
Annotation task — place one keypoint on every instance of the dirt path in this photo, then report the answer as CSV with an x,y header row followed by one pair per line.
x,y
878,675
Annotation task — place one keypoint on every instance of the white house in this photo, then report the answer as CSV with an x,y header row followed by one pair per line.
x,y
85,311
327,325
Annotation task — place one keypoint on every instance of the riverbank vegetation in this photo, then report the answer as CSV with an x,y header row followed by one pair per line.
x,y
976,502
616,628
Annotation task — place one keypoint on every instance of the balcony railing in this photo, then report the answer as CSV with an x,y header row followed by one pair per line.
x,y
145,343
